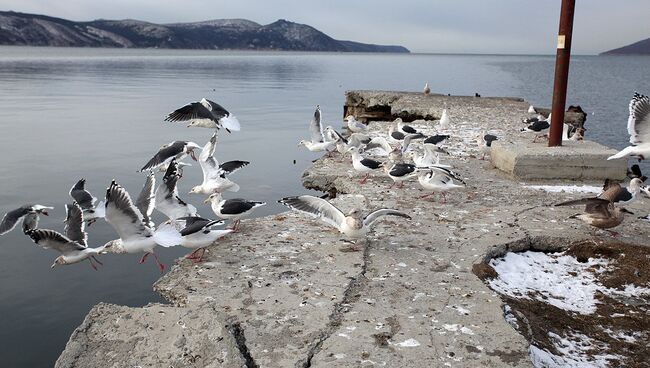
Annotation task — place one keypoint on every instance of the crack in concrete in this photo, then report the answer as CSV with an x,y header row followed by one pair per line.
x,y
237,332
351,295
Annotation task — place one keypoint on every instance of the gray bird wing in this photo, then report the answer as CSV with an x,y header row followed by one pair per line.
x,y
316,207
50,239
30,222
11,218
122,214
163,155
370,219
145,201
191,111
638,123
217,110
74,224
315,128
196,224
83,197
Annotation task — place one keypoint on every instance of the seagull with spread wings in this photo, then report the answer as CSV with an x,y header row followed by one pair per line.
x,y
317,142
86,201
214,174
174,150
167,200
205,114
73,245
29,213
638,126
353,225
135,235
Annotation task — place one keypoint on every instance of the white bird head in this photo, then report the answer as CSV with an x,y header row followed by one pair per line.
x,y
355,213
214,197
195,190
302,143
350,118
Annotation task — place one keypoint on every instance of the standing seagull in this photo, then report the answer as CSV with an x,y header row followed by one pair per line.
x,y
233,209
198,234
362,164
174,150
167,200
539,127
400,172
355,126
72,245
134,235
485,143
29,213
353,225
444,120
438,179
214,175
86,201
205,114
426,90
638,126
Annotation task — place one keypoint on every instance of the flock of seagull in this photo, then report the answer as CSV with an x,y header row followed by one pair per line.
x,y
410,154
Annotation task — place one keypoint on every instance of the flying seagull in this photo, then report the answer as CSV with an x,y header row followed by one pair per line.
x,y
214,174
174,150
638,126
167,200
86,201
72,245
29,213
205,114
198,234
145,202
353,225
233,209
134,235
317,142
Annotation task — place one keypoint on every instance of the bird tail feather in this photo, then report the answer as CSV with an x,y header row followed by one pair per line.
x,y
167,236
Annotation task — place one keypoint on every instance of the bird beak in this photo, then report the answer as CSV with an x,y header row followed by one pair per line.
x,y
193,155
53,264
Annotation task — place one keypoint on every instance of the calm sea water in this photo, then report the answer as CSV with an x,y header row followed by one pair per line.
x,y
97,113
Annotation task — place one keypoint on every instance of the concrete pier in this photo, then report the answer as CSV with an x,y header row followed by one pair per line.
x,y
288,292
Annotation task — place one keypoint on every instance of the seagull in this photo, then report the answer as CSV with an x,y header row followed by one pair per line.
x,y
426,90
233,209
400,172
86,201
145,202
485,143
175,149
638,126
444,120
531,110
635,172
355,126
538,126
578,134
379,142
395,136
72,245
198,234
599,212
214,175
205,114
435,139
317,142
167,200
11,218
134,235
362,164
431,156
621,196
353,225
439,179
405,128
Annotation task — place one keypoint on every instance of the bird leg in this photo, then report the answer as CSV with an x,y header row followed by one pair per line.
x,y
200,258
92,264
444,197
235,226
161,266
144,258
363,181
192,255
391,186
96,260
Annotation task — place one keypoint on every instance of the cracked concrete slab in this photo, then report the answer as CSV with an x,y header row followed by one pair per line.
x,y
301,297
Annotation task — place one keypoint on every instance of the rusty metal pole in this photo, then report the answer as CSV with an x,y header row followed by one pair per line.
x,y
561,72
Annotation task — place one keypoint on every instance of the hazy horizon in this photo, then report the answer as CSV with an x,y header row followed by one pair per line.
x,y
525,27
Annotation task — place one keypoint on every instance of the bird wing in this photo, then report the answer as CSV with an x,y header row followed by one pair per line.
x,y
164,154
315,127
30,222
614,192
370,219
316,207
379,142
74,224
145,201
83,197
217,110
208,149
167,200
50,239
11,218
339,136
638,123
593,205
230,167
194,224
191,111
122,214
435,139
436,170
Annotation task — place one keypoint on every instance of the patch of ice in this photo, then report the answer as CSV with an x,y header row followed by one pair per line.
x,y
409,343
566,188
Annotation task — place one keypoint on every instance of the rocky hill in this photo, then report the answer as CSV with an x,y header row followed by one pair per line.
x,y
638,48
239,34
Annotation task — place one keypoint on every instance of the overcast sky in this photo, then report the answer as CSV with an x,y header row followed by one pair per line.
x,y
458,26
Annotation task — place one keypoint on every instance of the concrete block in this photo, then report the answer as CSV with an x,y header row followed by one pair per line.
x,y
584,160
